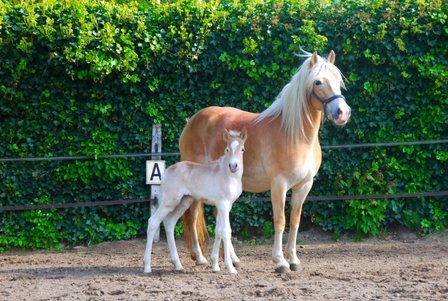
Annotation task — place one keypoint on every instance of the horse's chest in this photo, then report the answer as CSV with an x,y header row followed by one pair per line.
x,y
304,172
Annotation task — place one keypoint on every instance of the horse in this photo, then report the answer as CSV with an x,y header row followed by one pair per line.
x,y
282,150
217,183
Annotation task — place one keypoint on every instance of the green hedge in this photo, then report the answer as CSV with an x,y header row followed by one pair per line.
x,y
91,77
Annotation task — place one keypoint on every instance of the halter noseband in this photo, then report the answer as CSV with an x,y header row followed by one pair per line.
x,y
326,101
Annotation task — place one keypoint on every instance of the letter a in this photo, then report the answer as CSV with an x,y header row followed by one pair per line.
x,y
156,172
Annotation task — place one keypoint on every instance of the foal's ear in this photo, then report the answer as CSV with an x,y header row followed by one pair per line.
x,y
226,135
243,134
331,57
314,59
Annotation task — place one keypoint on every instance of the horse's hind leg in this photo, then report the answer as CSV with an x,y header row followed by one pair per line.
x,y
297,199
153,224
196,248
170,223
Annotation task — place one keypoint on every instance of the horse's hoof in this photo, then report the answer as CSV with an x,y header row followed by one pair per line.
x,y
201,261
282,269
236,264
295,267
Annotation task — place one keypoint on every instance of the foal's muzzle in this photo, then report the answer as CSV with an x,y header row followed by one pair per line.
x,y
233,167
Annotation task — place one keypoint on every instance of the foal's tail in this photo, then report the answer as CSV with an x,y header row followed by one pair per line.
x,y
197,209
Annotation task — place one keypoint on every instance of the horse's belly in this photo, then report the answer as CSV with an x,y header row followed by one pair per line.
x,y
256,184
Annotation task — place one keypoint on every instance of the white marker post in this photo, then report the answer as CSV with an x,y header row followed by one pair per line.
x,y
154,170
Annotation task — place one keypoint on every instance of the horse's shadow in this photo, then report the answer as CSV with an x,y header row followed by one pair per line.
x,y
83,272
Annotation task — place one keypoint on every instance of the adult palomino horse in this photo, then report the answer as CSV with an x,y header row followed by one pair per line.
x,y
282,149
217,183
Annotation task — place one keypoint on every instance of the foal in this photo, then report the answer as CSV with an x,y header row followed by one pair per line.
x,y
217,183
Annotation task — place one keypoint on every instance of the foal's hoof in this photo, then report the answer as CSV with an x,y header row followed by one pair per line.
x,y
295,267
181,271
282,269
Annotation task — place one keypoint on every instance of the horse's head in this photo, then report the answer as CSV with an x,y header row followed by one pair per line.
x,y
325,88
235,149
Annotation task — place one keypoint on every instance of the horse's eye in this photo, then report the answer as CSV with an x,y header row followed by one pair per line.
x,y
227,150
318,83
243,150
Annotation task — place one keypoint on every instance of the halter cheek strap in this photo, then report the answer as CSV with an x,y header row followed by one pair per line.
x,y
326,101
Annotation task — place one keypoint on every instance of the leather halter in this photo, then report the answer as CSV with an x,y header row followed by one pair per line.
x,y
326,101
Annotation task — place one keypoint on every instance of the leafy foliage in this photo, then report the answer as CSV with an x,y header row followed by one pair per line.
x,y
91,77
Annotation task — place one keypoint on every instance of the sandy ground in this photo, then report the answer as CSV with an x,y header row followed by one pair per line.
x,y
403,267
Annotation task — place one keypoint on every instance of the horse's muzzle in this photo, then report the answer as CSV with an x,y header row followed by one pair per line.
x,y
339,112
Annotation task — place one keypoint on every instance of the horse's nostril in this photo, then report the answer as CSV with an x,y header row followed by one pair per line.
x,y
339,112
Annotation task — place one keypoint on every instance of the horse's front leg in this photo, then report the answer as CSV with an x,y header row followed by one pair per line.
x,y
299,194
278,196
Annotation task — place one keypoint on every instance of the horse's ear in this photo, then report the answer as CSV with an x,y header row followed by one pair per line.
x,y
243,134
313,59
331,57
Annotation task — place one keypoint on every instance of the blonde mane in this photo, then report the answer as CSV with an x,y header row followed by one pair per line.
x,y
292,102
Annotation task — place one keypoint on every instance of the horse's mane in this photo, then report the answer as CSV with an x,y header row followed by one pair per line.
x,y
292,102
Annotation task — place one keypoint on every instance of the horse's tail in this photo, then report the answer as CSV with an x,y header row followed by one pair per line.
x,y
196,210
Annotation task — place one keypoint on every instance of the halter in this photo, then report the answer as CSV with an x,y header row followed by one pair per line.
x,y
326,101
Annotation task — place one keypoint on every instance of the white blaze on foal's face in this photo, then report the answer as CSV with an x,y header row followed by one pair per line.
x,y
233,162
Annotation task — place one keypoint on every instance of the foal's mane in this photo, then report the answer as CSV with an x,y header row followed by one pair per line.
x,y
292,102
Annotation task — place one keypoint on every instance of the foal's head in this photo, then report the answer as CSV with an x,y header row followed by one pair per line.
x,y
235,148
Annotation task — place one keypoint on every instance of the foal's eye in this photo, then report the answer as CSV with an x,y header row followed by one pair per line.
x,y
227,150
243,150
318,83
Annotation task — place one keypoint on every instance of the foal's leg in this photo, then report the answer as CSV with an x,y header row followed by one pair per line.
x,y
214,255
235,259
170,223
278,196
299,194
153,224
224,232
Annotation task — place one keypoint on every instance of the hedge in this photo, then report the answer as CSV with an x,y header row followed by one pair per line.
x,y
91,77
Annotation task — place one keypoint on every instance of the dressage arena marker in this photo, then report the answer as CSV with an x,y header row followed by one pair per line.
x,y
154,171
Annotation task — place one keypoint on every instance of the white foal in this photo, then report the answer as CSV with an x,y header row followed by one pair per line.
x,y
217,183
